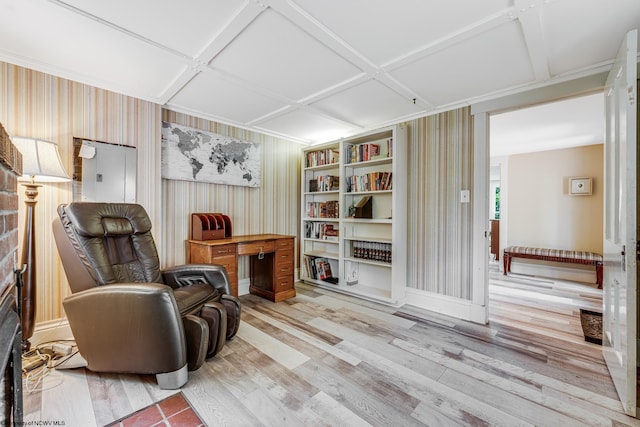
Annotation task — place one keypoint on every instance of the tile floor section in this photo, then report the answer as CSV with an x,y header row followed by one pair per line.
x,y
173,411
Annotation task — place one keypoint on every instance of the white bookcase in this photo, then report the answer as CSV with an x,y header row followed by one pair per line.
x,y
348,245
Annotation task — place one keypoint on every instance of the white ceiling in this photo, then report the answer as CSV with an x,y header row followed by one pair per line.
x,y
310,70
568,123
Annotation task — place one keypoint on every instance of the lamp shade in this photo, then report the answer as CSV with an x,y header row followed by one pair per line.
x,y
40,160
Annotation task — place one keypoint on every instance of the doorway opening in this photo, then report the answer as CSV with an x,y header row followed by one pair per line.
x,y
534,154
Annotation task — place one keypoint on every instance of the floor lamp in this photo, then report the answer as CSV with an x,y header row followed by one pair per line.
x,y
40,163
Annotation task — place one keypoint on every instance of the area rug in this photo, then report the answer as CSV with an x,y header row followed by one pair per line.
x,y
591,325
174,411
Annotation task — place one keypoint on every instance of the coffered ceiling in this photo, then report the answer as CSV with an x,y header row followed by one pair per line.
x,y
309,70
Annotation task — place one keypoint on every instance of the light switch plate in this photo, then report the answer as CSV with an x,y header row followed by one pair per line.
x,y
464,196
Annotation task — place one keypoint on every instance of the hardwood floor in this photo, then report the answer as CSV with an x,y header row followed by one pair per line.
x,y
326,359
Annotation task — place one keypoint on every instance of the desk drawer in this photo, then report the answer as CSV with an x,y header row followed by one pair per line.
x,y
284,257
283,284
227,261
283,270
222,250
253,248
284,244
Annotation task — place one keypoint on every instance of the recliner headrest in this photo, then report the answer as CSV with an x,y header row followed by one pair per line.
x,y
93,219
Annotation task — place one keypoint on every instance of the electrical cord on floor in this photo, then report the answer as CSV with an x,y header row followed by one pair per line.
x,y
41,362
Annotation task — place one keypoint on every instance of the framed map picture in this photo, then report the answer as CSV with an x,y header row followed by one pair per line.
x,y
190,154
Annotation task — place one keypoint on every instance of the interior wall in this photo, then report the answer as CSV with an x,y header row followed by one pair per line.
x,y
40,105
440,226
36,104
541,211
271,208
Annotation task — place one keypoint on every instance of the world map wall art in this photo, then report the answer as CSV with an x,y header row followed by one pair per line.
x,y
190,154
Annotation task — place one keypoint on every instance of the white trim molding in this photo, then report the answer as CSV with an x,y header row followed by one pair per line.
x,y
450,306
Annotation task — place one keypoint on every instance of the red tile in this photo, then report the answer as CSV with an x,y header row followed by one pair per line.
x,y
186,418
146,417
173,404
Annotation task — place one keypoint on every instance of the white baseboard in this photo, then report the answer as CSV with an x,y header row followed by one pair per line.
x,y
243,286
52,330
454,307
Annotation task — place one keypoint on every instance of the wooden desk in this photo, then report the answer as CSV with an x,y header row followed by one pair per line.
x,y
271,265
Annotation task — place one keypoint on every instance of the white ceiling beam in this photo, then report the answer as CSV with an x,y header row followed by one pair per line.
x,y
464,33
236,25
529,14
322,34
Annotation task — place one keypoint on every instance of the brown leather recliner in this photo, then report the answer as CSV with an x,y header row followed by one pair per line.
x,y
126,314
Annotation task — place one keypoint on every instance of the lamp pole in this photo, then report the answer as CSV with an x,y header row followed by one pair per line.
x,y
28,299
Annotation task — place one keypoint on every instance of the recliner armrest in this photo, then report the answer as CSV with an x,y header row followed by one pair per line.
x,y
117,326
187,274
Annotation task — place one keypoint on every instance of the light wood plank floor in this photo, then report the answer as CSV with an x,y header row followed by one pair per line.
x,y
326,359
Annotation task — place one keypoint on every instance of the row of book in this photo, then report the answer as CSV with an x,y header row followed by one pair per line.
x,y
324,183
361,152
321,231
319,268
328,209
372,251
369,151
322,157
374,181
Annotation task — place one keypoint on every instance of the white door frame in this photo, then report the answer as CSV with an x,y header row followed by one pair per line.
x,y
481,113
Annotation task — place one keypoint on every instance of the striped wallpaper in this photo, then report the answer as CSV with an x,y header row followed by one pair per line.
x,y
56,109
40,105
439,237
271,208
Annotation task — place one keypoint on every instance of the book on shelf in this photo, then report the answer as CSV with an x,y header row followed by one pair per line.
x,y
324,183
323,267
322,157
319,268
320,231
372,251
374,181
328,209
361,152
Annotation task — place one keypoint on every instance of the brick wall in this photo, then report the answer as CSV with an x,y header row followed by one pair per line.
x,y
10,169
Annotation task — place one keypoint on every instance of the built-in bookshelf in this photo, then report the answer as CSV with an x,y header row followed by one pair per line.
x,y
354,215
320,242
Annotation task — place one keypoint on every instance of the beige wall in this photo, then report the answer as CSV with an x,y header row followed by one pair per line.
x,y
541,213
